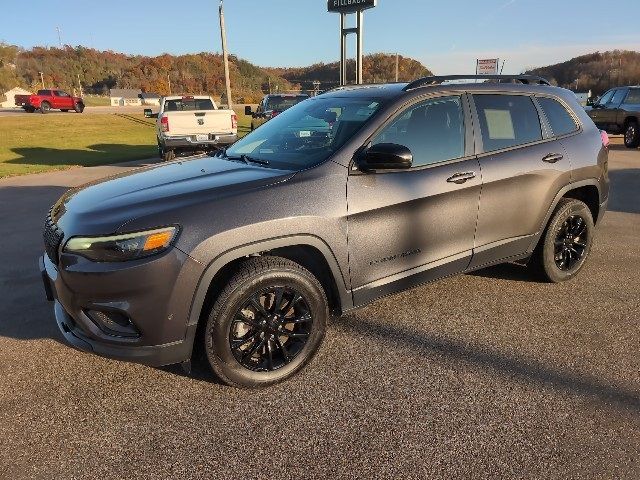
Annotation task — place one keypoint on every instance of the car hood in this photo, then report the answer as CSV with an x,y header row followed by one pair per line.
x,y
106,205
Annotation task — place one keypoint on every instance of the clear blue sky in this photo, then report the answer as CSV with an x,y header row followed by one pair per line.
x,y
447,36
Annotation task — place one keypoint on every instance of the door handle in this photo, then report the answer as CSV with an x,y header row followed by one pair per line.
x,y
552,158
461,177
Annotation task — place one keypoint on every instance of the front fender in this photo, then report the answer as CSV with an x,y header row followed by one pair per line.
x,y
236,253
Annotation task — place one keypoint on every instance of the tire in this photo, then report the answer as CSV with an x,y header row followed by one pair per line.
x,y
565,243
632,134
45,107
168,155
79,107
289,346
30,109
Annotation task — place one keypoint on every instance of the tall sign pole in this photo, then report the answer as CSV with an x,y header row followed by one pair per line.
x,y
225,55
344,7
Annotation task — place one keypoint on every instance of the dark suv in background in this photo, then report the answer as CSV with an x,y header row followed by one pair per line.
x,y
618,111
272,105
354,194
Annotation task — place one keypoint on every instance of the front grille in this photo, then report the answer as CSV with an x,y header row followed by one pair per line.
x,y
52,238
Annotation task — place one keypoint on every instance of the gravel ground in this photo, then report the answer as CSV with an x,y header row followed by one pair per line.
x,y
489,375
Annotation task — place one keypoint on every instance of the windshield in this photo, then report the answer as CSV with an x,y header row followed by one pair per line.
x,y
188,104
282,103
306,134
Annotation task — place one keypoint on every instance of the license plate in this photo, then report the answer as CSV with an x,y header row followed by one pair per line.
x,y
202,138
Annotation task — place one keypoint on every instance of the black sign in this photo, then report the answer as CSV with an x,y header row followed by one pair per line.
x,y
349,6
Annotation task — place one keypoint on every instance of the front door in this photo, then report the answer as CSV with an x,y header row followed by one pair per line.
x,y
407,227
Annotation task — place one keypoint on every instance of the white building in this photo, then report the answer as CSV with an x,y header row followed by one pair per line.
x,y
125,97
10,96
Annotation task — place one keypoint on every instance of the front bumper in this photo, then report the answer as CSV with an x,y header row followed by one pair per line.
x,y
192,141
150,293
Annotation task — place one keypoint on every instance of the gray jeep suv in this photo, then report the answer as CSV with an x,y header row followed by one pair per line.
x,y
354,194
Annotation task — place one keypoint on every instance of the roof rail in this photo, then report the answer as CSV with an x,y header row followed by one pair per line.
x,y
435,80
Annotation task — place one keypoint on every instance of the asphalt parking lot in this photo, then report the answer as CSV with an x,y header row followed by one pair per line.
x,y
489,375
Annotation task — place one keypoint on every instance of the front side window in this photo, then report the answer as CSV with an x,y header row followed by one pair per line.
x,y
433,130
507,121
306,134
60,93
606,97
618,96
560,120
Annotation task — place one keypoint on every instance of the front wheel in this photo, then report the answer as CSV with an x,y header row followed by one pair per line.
x,y
79,107
632,135
566,242
266,324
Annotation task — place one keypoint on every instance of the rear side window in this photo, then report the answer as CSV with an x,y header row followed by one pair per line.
x,y
560,120
507,121
634,97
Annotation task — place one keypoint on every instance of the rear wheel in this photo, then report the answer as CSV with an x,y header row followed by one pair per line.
x,y
566,242
266,324
30,109
45,107
165,154
632,135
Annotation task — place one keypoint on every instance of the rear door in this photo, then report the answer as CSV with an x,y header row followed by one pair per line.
x,y
523,167
410,226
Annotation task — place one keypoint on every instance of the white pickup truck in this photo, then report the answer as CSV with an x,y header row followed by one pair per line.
x,y
192,123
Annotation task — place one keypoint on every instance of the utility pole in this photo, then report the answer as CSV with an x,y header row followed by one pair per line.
x,y
59,37
169,82
42,80
397,67
225,55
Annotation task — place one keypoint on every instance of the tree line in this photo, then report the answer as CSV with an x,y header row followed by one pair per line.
x,y
597,71
98,71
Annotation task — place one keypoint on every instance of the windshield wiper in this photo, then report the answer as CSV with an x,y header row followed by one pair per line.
x,y
259,161
245,158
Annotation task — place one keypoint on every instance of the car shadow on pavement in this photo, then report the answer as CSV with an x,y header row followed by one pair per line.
x,y
24,312
507,271
624,195
98,154
487,358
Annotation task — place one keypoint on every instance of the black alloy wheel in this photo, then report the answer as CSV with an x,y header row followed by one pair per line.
x,y
266,324
632,135
270,329
570,243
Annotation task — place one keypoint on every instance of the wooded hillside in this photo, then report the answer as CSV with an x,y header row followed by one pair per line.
x,y
99,71
596,71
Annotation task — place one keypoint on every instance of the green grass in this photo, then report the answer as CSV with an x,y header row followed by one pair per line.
x,y
96,101
40,143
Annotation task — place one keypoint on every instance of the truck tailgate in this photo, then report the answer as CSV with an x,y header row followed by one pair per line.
x,y
200,122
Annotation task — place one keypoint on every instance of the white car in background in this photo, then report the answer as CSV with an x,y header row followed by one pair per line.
x,y
192,123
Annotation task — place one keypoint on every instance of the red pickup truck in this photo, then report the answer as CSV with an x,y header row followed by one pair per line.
x,y
46,100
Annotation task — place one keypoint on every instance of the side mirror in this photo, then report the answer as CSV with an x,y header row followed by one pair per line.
x,y
247,110
385,156
148,113
590,102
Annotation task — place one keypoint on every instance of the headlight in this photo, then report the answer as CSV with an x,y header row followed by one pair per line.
x,y
117,248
